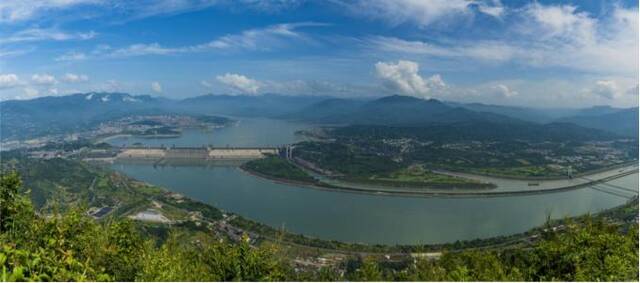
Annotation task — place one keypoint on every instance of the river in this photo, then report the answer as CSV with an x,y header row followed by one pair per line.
x,y
352,217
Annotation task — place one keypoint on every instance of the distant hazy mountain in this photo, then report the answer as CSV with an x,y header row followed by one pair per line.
x,y
622,122
393,110
522,113
408,116
597,111
57,114
62,114
325,111
267,105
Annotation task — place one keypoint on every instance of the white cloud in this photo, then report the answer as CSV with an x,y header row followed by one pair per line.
x,y
480,50
606,88
37,34
74,78
14,11
560,35
20,10
493,8
403,77
255,39
9,81
71,56
436,82
419,12
155,86
314,87
206,84
291,87
30,92
240,83
505,91
562,22
43,79
15,52
144,49
111,86
546,36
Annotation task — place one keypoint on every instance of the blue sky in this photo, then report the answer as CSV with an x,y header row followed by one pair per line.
x,y
535,53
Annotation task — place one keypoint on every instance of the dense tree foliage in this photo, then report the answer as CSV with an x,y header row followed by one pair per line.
x,y
71,246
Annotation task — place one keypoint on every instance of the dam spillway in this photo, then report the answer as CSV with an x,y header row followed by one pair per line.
x,y
203,153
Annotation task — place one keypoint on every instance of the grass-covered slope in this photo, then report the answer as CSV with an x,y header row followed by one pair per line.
x,y
277,168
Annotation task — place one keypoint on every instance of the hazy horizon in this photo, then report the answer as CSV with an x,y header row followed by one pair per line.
x,y
362,98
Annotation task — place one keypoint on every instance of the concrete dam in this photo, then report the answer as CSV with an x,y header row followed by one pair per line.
x,y
197,153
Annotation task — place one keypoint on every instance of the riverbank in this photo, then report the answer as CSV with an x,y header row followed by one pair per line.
x,y
623,214
326,183
549,178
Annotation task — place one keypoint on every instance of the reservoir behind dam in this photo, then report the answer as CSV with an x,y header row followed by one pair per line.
x,y
352,217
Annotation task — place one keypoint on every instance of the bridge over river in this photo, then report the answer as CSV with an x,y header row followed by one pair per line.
x,y
198,153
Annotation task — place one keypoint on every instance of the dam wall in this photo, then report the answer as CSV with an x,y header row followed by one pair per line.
x,y
141,154
240,153
195,153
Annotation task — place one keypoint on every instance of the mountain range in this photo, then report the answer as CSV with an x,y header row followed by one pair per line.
x,y
62,114
410,111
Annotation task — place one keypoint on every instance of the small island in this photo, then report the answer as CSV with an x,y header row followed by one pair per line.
x,y
278,169
289,171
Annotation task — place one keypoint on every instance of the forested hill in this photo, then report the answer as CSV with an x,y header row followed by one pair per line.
x,y
74,247
479,131
65,114
623,122
394,110
404,111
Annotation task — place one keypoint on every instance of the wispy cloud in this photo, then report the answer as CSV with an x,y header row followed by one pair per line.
x,y
548,36
38,34
75,78
261,39
141,49
258,39
485,50
420,13
16,11
43,79
19,10
240,83
16,51
9,81
71,56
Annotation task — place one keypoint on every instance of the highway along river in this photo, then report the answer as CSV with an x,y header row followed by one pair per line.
x,y
353,217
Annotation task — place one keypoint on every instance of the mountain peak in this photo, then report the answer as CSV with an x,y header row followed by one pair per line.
x,y
398,99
